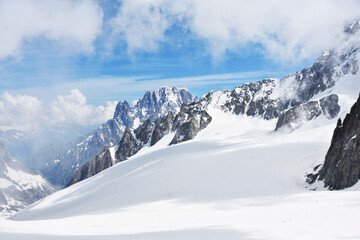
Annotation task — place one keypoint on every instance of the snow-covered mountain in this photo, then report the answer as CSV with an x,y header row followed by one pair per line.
x,y
19,186
237,178
293,100
59,162
187,123
234,178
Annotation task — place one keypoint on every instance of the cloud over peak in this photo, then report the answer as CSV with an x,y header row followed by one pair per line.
x,y
284,30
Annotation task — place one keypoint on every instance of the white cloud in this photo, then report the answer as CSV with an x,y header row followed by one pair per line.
x,y
141,23
19,112
25,112
287,30
71,23
72,109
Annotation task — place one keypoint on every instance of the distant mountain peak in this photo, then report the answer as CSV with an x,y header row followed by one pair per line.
x,y
19,186
152,105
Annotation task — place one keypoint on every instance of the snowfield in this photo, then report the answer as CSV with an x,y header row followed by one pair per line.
x,y
238,179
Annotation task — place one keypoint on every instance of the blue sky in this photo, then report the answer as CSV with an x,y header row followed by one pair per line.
x,y
116,50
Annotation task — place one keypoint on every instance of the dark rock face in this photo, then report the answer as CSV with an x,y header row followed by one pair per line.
x,y
75,154
308,111
329,106
162,127
99,163
126,146
341,168
189,121
144,131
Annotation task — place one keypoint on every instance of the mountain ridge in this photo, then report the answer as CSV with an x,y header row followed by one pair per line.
x,y
291,100
58,163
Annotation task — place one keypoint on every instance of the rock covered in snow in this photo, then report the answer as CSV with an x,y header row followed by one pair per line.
x,y
328,106
186,124
189,121
19,186
72,155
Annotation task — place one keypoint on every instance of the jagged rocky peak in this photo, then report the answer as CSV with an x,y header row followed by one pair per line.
x,y
341,168
157,103
122,111
70,157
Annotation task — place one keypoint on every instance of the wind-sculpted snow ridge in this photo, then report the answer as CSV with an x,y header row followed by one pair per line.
x,y
293,100
19,186
58,163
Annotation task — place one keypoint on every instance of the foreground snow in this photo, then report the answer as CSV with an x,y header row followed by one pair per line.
x,y
237,180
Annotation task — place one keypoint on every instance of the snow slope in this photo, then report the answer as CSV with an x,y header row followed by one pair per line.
x,y
236,180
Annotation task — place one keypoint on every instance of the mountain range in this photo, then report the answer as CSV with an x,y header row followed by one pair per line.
x,y
235,162
293,100
59,162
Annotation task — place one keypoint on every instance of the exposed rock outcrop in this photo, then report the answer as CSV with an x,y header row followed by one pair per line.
x,y
162,127
127,146
99,163
341,168
189,121
308,111
186,124
58,163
